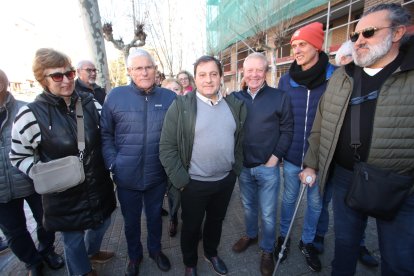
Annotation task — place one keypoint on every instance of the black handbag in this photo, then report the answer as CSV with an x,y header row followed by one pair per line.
x,y
377,192
374,191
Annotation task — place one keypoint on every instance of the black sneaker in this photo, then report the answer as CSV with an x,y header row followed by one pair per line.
x,y
318,244
311,256
278,248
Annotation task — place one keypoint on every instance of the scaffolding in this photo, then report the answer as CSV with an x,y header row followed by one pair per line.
x,y
229,21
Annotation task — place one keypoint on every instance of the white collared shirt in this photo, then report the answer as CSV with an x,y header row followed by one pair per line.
x,y
254,94
209,101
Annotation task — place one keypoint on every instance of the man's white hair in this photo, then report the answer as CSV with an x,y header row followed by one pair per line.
x,y
258,56
343,51
83,62
139,53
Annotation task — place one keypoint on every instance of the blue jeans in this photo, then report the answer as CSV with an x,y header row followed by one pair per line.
x,y
132,202
396,237
259,188
13,225
323,223
79,245
292,187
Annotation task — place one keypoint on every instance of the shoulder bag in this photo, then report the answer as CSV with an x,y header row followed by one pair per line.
x,y
61,174
374,191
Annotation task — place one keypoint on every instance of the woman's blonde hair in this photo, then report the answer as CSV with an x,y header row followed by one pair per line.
x,y
46,58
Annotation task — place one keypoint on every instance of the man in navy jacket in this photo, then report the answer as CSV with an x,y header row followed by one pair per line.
x,y
267,136
132,118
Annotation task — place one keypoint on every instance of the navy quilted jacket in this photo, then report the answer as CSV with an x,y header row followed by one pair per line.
x,y
131,125
304,103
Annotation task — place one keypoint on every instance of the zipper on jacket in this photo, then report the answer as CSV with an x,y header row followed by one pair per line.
x,y
306,126
145,138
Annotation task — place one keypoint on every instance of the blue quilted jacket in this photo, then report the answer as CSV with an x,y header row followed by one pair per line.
x,y
131,124
304,103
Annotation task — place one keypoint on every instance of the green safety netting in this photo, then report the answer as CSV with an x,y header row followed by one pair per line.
x,y
229,21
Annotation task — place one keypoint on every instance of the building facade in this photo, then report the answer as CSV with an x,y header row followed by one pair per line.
x,y
237,28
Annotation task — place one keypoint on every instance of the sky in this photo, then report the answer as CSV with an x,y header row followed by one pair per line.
x,y
27,25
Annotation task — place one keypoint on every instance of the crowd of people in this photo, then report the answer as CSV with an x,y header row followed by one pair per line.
x,y
187,139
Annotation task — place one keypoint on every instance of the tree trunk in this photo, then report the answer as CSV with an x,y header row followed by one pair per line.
x,y
93,28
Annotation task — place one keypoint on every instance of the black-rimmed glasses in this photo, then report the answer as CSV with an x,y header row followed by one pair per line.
x,y
89,70
58,77
367,32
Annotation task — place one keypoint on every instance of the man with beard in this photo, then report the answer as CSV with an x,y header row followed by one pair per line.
x,y
383,56
86,80
305,83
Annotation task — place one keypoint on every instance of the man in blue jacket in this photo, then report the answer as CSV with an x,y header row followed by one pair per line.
x,y
305,83
267,135
132,118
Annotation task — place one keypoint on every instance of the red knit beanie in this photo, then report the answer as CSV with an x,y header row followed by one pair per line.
x,y
312,33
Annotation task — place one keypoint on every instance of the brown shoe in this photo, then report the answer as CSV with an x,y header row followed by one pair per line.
x,y
101,257
243,244
267,265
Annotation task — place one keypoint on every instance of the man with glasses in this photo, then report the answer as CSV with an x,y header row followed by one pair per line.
x,y
383,55
131,124
86,80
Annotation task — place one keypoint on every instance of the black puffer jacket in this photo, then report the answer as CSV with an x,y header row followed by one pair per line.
x,y
91,202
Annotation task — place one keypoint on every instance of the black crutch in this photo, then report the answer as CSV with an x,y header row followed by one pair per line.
x,y
302,192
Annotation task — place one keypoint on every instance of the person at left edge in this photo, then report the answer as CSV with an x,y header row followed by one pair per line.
x,y
15,188
48,126
132,118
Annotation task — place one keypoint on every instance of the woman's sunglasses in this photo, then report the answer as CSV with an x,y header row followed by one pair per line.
x,y
58,77
367,33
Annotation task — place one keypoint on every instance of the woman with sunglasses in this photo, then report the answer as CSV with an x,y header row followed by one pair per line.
x,y
47,128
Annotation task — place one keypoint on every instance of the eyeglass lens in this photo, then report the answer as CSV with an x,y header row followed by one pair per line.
x,y
58,77
89,70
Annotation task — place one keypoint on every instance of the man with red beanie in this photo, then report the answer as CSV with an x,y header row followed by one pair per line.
x,y
305,83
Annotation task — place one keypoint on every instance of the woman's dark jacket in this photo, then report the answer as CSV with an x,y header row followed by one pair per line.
x,y
90,203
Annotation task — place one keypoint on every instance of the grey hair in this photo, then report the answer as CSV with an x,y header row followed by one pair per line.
x,y
343,51
82,63
258,56
139,53
397,15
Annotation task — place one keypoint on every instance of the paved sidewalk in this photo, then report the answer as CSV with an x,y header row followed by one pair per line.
x,y
246,263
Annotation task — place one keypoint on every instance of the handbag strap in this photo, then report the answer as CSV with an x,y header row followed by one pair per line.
x,y
80,128
356,114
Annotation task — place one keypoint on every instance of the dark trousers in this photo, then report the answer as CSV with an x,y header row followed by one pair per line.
x,y
395,238
132,203
201,198
13,225
173,215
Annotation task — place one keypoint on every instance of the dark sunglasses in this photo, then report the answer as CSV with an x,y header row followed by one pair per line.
x,y
367,33
58,77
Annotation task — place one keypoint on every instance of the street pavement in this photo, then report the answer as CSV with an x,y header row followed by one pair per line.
x,y
245,263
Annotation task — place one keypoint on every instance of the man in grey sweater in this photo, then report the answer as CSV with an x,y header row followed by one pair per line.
x,y
200,149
